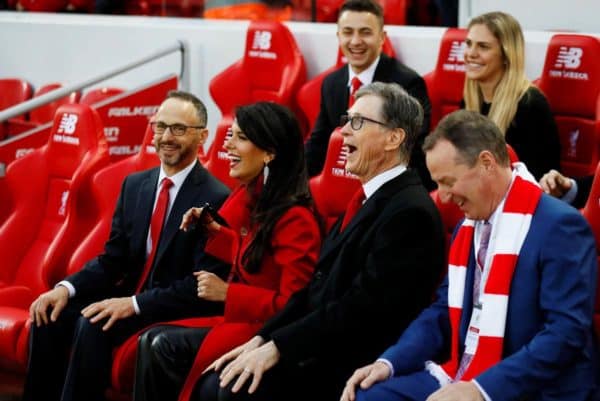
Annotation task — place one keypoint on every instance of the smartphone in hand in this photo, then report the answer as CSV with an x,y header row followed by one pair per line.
x,y
209,214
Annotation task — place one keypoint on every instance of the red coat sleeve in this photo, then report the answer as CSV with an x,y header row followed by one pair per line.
x,y
296,242
223,244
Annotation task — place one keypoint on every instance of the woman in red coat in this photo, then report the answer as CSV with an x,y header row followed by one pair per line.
x,y
269,235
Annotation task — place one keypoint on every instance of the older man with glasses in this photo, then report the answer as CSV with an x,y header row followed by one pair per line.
x,y
144,274
377,270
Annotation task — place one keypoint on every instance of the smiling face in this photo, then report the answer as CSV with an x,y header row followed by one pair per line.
x,y
246,160
373,148
484,60
178,152
361,37
472,189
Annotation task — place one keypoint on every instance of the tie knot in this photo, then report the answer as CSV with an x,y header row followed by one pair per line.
x,y
166,184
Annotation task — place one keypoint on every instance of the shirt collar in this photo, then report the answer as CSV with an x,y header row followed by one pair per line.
x,y
366,77
376,182
494,216
177,178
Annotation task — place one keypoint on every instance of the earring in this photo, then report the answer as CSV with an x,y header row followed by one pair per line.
x,y
265,173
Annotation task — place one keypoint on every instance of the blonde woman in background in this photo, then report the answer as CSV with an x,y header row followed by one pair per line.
x,y
496,86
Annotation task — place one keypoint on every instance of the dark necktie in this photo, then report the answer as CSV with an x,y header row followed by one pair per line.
x,y
486,230
156,225
353,207
354,85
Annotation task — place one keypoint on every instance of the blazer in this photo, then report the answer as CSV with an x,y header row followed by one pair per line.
x,y
117,270
334,103
252,298
371,281
548,341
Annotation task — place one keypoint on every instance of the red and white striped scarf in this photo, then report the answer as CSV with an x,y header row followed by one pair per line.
x,y
512,227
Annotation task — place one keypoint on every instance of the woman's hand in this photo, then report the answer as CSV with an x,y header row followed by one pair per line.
x,y
210,286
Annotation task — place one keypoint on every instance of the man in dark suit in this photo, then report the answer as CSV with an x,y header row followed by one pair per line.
x,y
513,319
377,270
361,35
135,282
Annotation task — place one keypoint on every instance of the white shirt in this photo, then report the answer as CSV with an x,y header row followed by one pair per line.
x,y
366,76
177,180
371,186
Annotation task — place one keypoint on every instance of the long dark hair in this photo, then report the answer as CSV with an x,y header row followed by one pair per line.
x,y
274,128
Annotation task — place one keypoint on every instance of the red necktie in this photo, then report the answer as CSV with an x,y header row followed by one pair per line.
x,y
353,207
156,225
354,85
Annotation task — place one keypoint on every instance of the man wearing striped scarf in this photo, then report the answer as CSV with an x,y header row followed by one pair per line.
x,y
513,318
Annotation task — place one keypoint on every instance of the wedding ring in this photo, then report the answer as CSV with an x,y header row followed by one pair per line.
x,y
247,370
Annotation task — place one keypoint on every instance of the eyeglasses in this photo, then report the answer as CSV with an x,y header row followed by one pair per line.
x,y
357,121
159,128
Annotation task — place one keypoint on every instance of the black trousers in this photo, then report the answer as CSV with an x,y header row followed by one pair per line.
x,y
165,356
70,359
284,381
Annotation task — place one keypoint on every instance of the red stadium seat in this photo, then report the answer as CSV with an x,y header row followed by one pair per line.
x,y
97,95
12,92
445,83
333,188
591,211
272,69
52,212
571,82
309,95
45,113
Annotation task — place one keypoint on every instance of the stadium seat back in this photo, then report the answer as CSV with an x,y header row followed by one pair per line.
x,y
14,91
52,213
49,187
217,162
445,83
45,113
272,69
333,188
571,82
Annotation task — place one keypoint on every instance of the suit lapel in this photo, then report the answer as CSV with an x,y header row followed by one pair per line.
x,y
143,211
372,206
340,101
382,71
183,201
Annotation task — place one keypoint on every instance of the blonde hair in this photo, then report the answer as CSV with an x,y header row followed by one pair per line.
x,y
513,84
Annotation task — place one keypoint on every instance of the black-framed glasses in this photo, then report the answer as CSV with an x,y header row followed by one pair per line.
x,y
159,128
357,121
